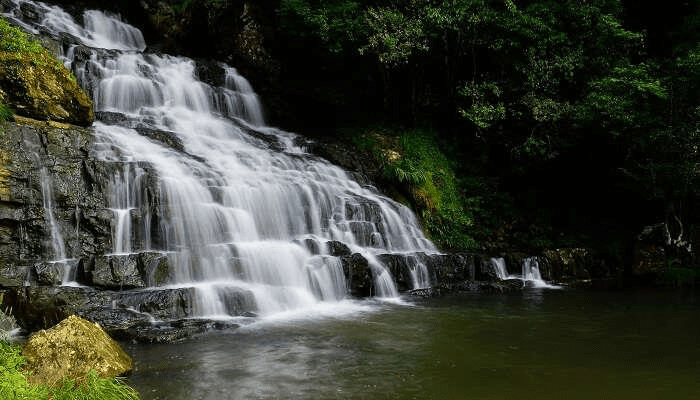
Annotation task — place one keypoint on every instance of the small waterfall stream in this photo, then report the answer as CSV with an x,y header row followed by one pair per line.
x,y
530,272
232,203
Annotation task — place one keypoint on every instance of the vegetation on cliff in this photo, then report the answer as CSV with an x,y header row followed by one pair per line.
x,y
34,84
574,110
554,117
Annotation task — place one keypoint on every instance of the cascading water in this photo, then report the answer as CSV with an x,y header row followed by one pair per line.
x,y
234,201
531,273
59,261
499,266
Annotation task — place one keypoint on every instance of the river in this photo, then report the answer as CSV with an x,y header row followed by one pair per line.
x,y
539,344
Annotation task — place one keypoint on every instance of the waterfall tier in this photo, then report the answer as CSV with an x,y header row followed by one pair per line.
x,y
209,203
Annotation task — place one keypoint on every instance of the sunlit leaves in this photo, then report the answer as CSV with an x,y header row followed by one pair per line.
x,y
623,97
14,40
394,36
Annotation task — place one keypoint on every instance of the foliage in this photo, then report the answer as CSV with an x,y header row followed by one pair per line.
x,y
413,159
16,44
338,25
14,385
13,382
14,40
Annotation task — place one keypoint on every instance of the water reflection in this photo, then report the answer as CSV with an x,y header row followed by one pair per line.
x,y
536,344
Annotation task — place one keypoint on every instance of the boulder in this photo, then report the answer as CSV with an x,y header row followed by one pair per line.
x,y
70,350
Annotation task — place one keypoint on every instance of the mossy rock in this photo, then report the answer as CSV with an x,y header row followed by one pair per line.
x,y
34,84
70,350
44,92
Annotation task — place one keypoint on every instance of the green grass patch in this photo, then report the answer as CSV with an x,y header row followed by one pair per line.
x,y
5,112
17,44
14,385
14,40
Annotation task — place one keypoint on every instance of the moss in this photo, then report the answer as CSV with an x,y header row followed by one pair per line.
x,y
16,44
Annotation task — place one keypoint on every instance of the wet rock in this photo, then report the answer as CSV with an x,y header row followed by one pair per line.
x,y
312,245
570,264
111,118
117,271
14,275
400,266
337,249
171,332
358,275
210,72
34,157
40,307
49,273
160,304
167,138
70,350
156,268
239,302
452,268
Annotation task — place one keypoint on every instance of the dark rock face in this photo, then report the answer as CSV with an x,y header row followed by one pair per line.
x,y
124,314
43,158
358,274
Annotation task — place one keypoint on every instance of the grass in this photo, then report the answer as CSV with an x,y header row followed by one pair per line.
x,y
14,385
5,112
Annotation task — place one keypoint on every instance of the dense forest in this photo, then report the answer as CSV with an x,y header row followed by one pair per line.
x,y
583,115
505,124
566,122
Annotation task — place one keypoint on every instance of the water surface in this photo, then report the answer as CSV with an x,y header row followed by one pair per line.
x,y
540,344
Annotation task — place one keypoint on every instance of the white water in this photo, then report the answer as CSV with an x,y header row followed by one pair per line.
x,y
499,265
530,272
229,211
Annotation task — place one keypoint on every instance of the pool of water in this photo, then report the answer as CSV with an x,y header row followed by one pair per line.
x,y
539,344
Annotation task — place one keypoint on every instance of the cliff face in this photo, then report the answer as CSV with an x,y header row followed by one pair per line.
x,y
50,188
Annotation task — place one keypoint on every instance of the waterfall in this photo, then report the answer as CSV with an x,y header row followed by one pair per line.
x,y
57,242
59,262
531,273
229,200
499,265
